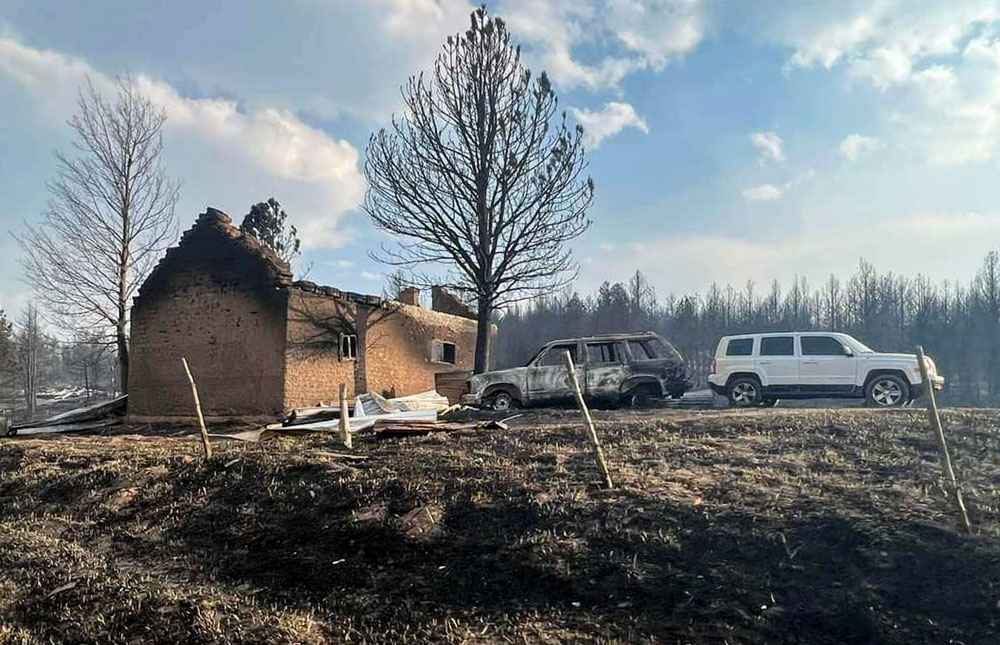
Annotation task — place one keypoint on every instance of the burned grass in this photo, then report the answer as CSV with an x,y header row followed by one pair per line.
x,y
798,526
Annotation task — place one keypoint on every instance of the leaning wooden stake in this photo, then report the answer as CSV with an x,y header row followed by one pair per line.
x,y
197,407
935,419
345,421
591,433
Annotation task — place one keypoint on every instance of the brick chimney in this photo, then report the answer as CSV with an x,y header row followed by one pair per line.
x,y
410,296
447,303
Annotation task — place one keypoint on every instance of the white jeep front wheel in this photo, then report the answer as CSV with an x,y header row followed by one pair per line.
x,y
887,391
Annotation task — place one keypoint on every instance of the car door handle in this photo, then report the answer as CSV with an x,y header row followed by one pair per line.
x,y
764,362
810,362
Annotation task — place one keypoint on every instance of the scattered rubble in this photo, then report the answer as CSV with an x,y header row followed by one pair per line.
x,y
409,415
99,415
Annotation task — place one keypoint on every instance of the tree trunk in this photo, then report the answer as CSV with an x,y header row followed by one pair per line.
x,y
31,381
482,337
122,340
361,361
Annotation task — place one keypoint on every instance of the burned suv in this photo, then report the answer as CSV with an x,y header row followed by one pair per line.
x,y
633,369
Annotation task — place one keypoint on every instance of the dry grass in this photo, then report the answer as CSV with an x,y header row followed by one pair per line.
x,y
798,526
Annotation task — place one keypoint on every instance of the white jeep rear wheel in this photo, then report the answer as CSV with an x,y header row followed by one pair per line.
x,y
744,392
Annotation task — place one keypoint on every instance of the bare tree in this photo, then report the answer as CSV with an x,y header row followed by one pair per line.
x,y
29,341
86,360
8,362
476,175
111,212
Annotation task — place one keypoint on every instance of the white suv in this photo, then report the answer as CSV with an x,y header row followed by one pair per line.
x,y
759,369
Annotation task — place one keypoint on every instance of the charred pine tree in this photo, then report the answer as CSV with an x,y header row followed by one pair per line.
x,y
268,222
110,214
480,174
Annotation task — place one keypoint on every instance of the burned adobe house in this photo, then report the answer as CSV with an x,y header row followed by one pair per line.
x,y
259,343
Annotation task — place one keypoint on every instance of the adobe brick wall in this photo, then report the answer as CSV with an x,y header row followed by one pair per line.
x,y
313,369
213,301
398,348
259,344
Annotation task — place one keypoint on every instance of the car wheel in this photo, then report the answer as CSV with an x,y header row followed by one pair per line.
x,y
502,401
640,397
744,392
887,391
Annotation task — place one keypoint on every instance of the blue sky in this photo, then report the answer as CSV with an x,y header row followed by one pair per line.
x,y
729,140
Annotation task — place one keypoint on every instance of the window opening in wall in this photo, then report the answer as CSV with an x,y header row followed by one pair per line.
x,y
443,352
348,346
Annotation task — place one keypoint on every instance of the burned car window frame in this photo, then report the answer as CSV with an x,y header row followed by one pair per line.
x,y
572,348
616,352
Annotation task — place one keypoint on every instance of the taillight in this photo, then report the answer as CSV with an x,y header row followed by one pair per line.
x,y
711,368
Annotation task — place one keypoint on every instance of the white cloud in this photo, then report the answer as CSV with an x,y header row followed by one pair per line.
x,y
649,32
425,22
222,148
614,117
369,275
882,40
854,146
657,30
770,192
813,254
764,193
937,66
769,145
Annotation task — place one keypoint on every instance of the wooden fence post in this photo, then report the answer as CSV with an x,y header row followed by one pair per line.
x,y
591,433
935,420
197,406
345,421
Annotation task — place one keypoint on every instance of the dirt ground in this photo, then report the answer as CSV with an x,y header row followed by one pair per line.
x,y
777,526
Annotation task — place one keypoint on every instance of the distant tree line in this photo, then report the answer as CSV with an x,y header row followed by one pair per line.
x,y
32,361
958,324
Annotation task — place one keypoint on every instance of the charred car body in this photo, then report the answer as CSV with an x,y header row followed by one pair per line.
x,y
627,368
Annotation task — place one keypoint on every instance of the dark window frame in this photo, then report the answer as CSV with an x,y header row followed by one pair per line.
x,y
440,350
803,340
771,339
741,341
348,347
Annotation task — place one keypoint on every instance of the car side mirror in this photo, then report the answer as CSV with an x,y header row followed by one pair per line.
x,y
848,351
